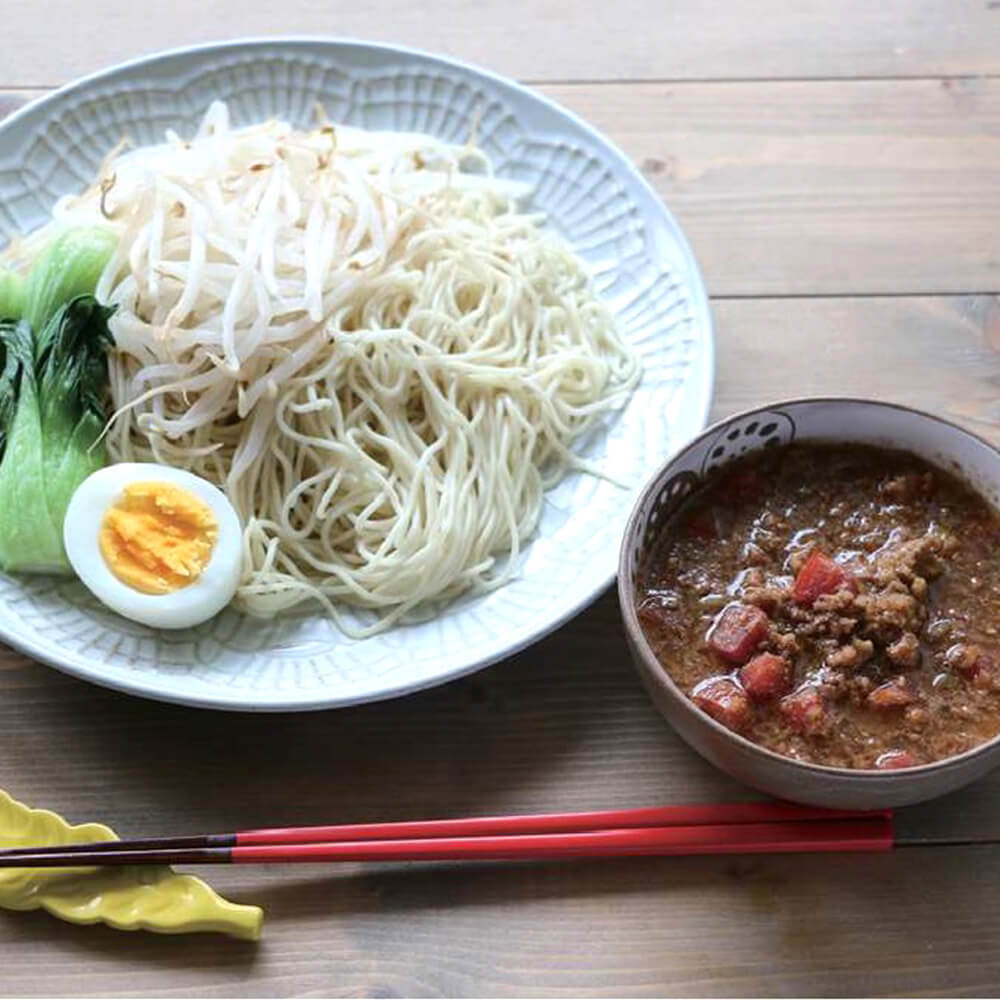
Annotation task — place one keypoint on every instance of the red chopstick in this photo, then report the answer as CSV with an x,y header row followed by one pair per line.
x,y
741,838
685,815
758,827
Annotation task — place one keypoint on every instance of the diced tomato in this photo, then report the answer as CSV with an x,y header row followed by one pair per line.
x,y
984,671
821,575
892,694
968,660
736,632
766,676
725,701
893,759
701,524
806,711
658,615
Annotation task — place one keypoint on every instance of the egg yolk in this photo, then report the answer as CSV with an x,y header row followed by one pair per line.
x,y
158,538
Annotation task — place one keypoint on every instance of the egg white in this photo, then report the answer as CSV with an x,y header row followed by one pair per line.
x,y
183,608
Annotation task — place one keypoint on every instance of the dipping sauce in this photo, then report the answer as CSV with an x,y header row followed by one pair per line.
x,y
838,604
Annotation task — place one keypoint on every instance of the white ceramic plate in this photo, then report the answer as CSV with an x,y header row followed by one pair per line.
x,y
642,266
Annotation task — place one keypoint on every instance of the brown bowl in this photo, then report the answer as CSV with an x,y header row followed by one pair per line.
x,y
829,420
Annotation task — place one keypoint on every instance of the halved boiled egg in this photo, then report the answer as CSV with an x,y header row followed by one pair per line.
x,y
158,545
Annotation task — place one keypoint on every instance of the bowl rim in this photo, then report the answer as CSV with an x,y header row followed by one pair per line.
x,y
648,663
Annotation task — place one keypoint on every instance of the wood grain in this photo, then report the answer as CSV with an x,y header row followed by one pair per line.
x,y
820,188
793,926
789,188
630,39
564,725
936,353
815,188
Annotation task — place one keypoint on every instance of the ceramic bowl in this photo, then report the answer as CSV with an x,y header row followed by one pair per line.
x,y
829,420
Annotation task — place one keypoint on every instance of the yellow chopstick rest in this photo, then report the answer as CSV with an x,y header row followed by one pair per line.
x,y
152,899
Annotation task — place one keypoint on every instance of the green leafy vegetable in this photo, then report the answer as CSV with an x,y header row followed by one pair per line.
x,y
11,294
68,267
53,382
21,344
52,390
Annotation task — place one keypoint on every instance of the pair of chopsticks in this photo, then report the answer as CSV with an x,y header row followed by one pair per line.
x,y
737,828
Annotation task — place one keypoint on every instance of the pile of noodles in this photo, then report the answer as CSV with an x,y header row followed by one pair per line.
x,y
362,341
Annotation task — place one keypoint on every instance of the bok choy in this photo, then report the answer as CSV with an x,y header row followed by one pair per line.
x,y
53,387
11,294
52,440
70,266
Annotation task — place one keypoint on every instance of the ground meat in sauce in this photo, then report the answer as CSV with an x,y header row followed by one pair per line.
x,y
835,603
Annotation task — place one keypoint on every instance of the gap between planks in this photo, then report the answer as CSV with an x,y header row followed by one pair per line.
x,y
631,39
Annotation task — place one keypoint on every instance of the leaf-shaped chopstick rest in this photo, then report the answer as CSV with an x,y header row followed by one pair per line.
x,y
152,899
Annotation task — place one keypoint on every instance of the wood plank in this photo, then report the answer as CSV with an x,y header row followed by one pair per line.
x,y
936,353
792,926
632,39
826,188
563,725
515,739
820,188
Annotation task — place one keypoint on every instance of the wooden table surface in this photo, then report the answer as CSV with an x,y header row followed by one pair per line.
x,y
836,165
